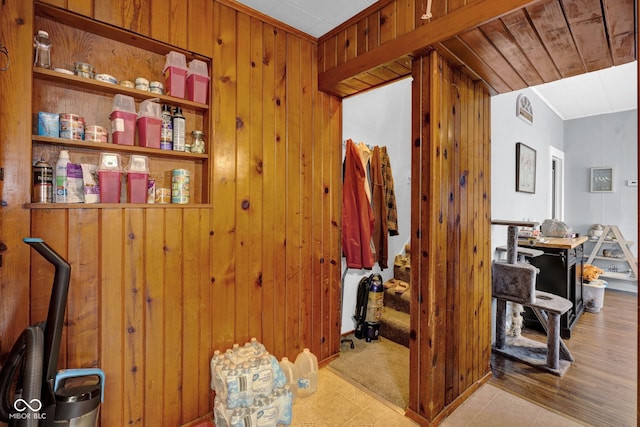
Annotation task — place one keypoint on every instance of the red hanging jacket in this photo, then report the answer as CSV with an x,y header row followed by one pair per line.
x,y
357,215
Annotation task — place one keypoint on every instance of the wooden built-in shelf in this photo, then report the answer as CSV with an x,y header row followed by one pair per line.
x,y
103,146
115,205
109,88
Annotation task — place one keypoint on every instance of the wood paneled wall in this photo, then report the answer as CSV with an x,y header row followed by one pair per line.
x,y
156,290
139,306
276,184
451,337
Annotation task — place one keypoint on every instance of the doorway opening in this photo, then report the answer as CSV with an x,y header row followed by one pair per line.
x,y
556,199
381,118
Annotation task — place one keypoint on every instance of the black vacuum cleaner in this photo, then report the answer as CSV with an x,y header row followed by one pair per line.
x,y
32,392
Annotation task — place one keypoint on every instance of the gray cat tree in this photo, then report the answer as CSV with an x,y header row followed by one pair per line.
x,y
515,281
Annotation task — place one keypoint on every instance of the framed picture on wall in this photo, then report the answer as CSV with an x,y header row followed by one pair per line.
x,y
601,180
525,168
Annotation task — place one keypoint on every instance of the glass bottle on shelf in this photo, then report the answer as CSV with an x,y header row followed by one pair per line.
x,y
42,44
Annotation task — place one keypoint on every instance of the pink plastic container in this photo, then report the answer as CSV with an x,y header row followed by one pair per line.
x,y
137,183
110,186
175,74
197,88
149,132
175,80
123,127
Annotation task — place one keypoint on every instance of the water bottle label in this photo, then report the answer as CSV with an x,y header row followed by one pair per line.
x,y
263,381
304,383
267,416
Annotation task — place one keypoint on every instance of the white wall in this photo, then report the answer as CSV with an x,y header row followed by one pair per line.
x,y
604,140
381,117
506,130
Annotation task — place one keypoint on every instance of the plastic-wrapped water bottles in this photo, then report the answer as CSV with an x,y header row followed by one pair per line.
x,y
251,388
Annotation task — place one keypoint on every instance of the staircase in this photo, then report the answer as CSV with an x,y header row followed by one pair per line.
x,y
395,324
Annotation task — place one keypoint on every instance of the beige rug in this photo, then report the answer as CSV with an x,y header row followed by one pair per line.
x,y
381,367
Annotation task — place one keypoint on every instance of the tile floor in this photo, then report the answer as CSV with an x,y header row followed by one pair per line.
x,y
341,403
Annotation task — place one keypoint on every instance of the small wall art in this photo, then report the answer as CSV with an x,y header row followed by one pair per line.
x,y
524,110
525,168
602,180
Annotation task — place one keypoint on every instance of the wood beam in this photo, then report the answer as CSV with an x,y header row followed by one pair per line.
x,y
414,42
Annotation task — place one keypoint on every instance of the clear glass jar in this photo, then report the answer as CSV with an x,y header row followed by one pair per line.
x,y
42,43
197,142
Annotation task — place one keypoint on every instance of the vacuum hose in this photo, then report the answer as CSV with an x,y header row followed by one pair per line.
x,y
28,348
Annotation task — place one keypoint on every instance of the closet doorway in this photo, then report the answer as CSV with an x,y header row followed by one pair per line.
x,y
382,117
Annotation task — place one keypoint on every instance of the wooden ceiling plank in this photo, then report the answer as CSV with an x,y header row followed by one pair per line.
x,y
620,20
547,16
384,73
498,34
591,41
342,89
525,35
356,83
371,79
624,48
468,57
548,19
476,41
619,15
474,14
581,10
401,66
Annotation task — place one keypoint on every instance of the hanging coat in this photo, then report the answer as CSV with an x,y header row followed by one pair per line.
x,y
389,193
357,215
380,231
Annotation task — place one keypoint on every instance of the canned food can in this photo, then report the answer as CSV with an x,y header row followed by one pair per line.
x,y
180,186
163,195
107,78
95,133
71,126
156,87
42,182
142,84
83,69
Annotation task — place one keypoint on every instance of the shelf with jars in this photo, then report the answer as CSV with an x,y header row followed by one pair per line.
x,y
92,64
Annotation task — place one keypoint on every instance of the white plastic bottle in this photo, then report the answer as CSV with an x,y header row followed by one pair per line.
x,y
307,366
61,177
291,373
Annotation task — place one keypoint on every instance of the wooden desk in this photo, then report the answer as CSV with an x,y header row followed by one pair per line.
x,y
560,274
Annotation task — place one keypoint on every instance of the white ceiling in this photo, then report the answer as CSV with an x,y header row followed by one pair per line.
x,y
314,17
607,91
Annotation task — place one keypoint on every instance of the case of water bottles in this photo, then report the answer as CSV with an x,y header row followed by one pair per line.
x,y
251,388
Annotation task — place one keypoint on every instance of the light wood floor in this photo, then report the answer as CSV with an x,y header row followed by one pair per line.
x,y
600,387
